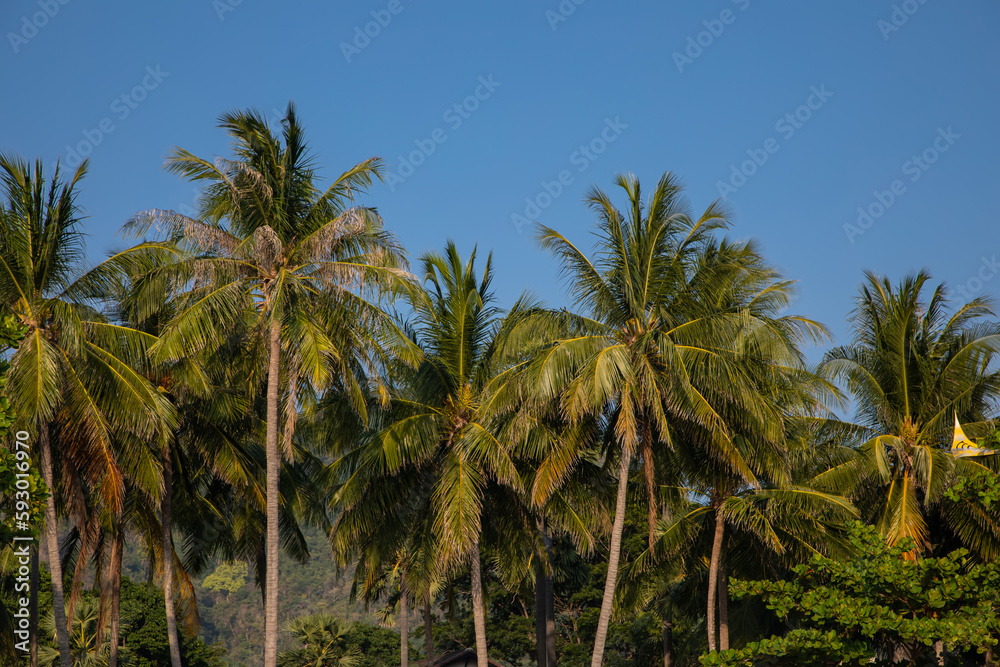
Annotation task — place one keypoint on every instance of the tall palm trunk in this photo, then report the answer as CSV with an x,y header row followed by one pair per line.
x,y
33,611
52,544
668,643
273,472
166,519
723,603
115,583
404,632
478,608
550,612
616,545
428,630
541,655
649,473
545,624
713,576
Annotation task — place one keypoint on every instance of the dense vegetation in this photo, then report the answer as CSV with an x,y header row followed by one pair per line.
x,y
315,453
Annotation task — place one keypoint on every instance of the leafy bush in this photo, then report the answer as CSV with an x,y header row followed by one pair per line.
x,y
877,605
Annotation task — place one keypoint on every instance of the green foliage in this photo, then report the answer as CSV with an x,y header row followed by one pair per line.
x,y
28,506
326,641
11,333
144,631
878,604
227,577
16,505
982,486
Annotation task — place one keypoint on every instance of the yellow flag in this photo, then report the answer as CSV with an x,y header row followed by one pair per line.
x,y
962,447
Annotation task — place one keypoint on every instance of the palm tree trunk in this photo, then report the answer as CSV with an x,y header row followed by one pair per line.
x,y
550,612
404,632
428,630
33,611
261,564
713,576
723,603
52,544
649,472
668,643
616,544
478,608
540,645
166,519
115,576
273,474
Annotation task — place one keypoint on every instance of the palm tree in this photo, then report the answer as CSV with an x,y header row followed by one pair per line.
x,y
434,461
291,261
322,637
912,369
77,376
762,356
86,646
641,330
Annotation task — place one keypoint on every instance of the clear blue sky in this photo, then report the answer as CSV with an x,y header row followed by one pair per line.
x,y
560,83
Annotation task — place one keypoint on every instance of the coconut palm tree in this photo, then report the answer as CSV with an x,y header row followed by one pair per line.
x,y
77,379
641,329
434,460
275,253
762,355
912,368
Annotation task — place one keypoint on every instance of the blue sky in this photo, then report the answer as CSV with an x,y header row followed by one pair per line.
x,y
697,88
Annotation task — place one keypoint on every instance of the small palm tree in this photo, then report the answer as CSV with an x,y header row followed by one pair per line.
x,y
86,647
912,369
292,262
323,643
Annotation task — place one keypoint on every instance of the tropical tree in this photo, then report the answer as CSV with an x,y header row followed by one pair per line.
x,y
753,490
912,369
76,378
292,262
434,461
323,640
647,348
87,647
